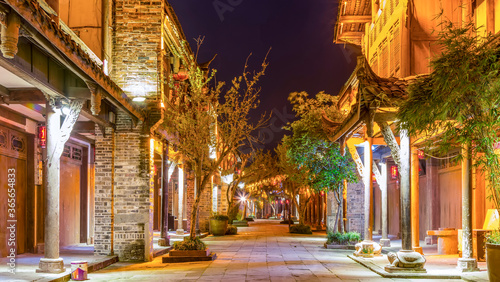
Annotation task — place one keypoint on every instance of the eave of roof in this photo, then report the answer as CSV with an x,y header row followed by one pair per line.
x,y
37,17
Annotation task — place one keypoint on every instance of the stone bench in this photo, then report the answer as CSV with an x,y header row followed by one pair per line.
x,y
447,240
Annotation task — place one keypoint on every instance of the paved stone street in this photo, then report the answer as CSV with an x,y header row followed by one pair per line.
x,y
265,251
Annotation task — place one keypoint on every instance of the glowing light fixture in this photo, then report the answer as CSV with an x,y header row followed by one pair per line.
x,y
139,99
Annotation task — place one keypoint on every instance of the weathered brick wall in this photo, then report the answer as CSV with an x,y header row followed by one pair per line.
x,y
123,199
355,207
205,209
133,196
136,45
104,161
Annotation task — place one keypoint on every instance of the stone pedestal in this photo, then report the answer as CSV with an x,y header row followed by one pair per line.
x,y
179,232
406,261
385,242
47,265
467,264
367,249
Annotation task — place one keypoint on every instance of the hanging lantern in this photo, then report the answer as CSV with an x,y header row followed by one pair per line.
x,y
181,75
420,154
394,172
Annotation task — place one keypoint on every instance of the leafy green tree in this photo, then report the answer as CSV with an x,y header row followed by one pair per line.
x,y
311,111
326,167
207,125
296,181
457,104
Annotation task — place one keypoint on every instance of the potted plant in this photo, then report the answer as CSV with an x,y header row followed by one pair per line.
x,y
218,224
493,255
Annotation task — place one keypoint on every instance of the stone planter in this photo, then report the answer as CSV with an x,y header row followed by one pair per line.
x,y
492,259
190,253
218,227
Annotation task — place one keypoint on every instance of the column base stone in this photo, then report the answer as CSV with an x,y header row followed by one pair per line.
x,y
467,265
48,265
385,242
179,232
163,242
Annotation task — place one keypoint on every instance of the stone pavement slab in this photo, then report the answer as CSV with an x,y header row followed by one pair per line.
x,y
264,251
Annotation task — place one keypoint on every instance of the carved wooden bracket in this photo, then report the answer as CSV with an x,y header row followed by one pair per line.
x,y
95,98
390,140
10,35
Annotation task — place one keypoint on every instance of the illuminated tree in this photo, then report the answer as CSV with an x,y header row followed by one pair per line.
x,y
207,125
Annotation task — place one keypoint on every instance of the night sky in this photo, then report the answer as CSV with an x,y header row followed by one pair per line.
x,y
300,32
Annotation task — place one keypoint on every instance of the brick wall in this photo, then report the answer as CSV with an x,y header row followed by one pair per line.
x,y
136,44
355,207
124,215
104,162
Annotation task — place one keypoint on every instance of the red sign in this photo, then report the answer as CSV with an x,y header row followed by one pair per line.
x,y
42,135
394,172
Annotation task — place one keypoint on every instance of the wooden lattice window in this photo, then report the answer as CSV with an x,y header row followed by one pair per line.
x,y
395,50
374,63
385,59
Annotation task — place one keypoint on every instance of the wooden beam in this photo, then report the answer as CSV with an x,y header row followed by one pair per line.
x,y
381,141
355,19
351,34
4,91
86,113
353,122
84,127
12,115
23,96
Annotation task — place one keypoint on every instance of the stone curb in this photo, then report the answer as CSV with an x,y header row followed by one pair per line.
x,y
377,269
92,268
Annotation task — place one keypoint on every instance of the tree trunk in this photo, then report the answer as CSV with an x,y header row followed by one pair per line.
x,y
341,212
194,212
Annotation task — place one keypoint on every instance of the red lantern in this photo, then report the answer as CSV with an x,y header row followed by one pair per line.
x,y
42,135
181,75
394,172
420,154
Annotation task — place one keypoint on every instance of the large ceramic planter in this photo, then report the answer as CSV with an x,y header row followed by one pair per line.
x,y
218,227
492,259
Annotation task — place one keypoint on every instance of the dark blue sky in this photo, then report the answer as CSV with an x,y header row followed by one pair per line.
x,y
300,32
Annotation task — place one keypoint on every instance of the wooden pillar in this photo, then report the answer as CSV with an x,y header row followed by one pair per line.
x,y
368,183
405,197
415,232
164,240
385,241
467,263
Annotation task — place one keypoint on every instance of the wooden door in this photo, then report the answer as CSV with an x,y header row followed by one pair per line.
x,y
69,204
13,148
450,195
